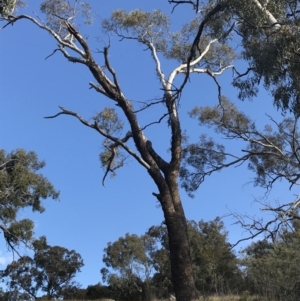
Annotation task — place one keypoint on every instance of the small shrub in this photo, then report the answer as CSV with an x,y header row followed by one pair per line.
x,y
245,296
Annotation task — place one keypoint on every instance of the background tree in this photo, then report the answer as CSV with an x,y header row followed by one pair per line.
x,y
74,292
98,291
21,186
51,270
162,277
7,7
272,154
141,265
211,56
130,257
272,268
215,265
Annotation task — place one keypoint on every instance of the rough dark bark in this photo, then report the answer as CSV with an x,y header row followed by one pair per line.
x,y
181,263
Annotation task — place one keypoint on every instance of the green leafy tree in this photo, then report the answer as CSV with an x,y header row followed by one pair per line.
x,y
271,44
73,292
51,270
140,266
162,277
21,186
8,7
215,265
98,291
269,32
130,258
13,295
272,269
272,154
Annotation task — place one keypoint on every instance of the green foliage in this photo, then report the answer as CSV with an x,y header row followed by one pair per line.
x,y
50,270
272,269
7,7
112,157
143,263
143,26
154,28
272,153
21,186
215,265
59,11
269,32
130,257
272,51
98,291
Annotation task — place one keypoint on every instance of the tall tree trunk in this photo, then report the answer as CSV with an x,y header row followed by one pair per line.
x,y
181,262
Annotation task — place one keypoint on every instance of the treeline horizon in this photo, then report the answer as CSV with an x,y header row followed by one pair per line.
x,y
138,267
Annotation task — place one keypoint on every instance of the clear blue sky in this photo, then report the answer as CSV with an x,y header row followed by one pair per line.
x,y
89,215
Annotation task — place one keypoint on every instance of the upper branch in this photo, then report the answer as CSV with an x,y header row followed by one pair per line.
x,y
159,73
111,70
195,4
272,21
186,68
219,7
62,42
96,127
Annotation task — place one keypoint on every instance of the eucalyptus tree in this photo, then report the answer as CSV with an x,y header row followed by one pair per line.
x,y
129,265
139,266
51,270
269,33
271,269
210,55
21,186
272,153
8,7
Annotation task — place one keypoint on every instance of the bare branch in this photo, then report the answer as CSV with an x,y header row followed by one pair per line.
x,y
54,51
98,89
200,176
159,73
147,105
111,70
283,216
186,67
195,4
96,127
52,32
219,7
155,122
8,235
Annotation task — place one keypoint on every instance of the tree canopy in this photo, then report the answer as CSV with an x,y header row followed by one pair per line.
x,y
139,266
272,268
21,186
51,270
